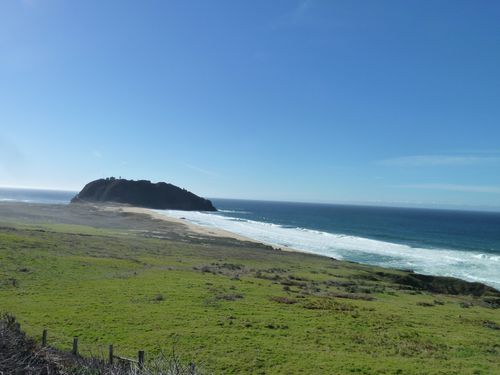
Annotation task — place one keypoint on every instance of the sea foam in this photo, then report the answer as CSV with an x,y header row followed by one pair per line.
x,y
467,265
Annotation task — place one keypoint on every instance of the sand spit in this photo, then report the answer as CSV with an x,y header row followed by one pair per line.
x,y
198,229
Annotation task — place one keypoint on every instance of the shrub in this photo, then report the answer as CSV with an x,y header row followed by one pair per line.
x,y
284,300
159,297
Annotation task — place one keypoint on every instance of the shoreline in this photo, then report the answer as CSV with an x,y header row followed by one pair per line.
x,y
199,229
221,233
148,220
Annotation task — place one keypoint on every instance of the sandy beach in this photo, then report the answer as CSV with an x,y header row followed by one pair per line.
x,y
198,229
194,228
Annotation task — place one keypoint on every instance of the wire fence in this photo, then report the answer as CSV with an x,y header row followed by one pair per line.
x,y
22,354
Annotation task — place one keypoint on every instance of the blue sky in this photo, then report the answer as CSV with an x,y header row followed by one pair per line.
x,y
390,102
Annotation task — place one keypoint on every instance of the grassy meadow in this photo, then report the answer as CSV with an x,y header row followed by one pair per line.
x,y
233,307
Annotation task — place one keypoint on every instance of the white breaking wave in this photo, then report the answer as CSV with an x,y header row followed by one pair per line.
x,y
233,212
467,265
16,200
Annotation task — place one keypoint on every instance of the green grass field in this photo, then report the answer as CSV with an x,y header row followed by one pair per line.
x,y
236,309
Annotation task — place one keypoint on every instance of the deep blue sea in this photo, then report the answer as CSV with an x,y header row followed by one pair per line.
x,y
462,244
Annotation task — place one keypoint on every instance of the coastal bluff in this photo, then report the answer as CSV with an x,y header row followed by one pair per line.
x,y
142,193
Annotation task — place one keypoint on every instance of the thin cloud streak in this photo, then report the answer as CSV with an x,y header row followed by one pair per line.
x,y
301,9
201,170
28,3
97,154
453,187
295,15
438,160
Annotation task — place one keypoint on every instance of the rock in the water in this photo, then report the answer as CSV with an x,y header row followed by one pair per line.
x,y
142,193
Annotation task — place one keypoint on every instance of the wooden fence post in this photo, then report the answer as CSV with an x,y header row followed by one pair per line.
x,y
111,354
75,346
140,359
44,338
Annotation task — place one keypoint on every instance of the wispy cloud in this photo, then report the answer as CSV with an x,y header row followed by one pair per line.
x,y
301,8
97,154
454,187
295,14
201,170
439,160
13,161
28,3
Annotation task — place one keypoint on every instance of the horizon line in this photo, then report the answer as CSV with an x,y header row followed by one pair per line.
x,y
381,204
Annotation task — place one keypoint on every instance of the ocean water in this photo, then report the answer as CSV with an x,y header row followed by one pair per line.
x,y
462,244
36,195
437,242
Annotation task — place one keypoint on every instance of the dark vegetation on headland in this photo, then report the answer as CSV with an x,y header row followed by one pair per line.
x,y
236,307
142,193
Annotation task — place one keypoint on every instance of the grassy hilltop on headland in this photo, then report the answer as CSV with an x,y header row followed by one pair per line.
x,y
235,307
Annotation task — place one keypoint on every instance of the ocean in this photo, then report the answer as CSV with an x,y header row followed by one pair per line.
x,y
462,244
36,195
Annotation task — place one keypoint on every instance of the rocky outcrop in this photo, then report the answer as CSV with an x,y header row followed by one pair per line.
x,y
142,193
